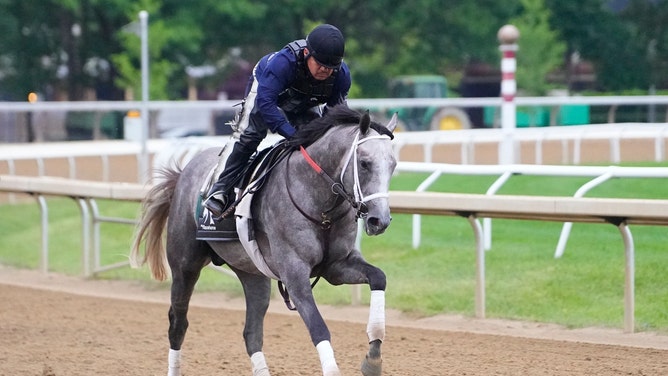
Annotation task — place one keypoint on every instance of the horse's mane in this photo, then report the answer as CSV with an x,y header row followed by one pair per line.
x,y
340,115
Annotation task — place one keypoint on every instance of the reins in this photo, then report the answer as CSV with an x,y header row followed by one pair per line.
x,y
256,183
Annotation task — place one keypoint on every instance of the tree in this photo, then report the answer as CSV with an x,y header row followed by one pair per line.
x,y
27,51
128,60
74,46
651,30
541,50
591,28
58,47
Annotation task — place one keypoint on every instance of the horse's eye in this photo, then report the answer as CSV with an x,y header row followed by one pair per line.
x,y
365,165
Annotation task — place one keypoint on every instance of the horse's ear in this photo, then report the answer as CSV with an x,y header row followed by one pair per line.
x,y
393,122
365,121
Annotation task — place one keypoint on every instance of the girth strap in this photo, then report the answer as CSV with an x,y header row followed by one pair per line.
x,y
286,297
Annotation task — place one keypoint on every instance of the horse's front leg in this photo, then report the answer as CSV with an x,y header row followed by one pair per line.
x,y
298,286
355,270
375,330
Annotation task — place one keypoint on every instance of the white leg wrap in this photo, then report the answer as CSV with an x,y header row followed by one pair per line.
x,y
259,364
375,328
174,360
327,361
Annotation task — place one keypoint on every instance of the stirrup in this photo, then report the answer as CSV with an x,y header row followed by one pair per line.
x,y
217,206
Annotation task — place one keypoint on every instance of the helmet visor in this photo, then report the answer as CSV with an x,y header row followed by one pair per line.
x,y
327,61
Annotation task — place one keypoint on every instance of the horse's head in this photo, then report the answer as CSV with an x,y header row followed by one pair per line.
x,y
366,167
373,163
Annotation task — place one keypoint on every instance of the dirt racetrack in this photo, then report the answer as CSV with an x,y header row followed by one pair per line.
x,y
52,325
56,325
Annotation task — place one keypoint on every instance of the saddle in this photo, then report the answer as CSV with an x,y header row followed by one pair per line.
x,y
258,169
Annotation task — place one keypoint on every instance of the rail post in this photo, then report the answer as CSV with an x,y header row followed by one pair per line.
x,y
144,168
508,36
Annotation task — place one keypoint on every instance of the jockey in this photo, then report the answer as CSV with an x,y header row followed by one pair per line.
x,y
285,91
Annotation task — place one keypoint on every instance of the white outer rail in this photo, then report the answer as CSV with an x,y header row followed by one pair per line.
x,y
619,212
600,175
354,103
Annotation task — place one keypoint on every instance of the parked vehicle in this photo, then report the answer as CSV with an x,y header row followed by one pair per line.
x,y
449,118
426,118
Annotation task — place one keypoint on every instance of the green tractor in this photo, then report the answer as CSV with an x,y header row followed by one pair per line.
x,y
426,118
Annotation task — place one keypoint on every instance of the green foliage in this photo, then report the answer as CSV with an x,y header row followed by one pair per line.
x,y
652,34
384,39
163,35
541,50
607,39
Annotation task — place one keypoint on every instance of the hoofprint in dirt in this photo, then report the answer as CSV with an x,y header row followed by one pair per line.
x,y
58,325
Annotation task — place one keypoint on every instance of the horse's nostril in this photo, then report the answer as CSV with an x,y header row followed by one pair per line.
x,y
376,225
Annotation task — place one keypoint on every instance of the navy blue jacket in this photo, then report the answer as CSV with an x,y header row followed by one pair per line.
x,y
275,73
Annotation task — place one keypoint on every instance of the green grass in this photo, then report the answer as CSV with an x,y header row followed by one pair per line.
x,y
523,279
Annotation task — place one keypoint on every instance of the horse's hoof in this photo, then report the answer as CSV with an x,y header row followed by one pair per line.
x,y
372,366
261,372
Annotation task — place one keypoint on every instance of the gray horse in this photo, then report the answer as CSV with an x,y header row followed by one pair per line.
x,y
304,222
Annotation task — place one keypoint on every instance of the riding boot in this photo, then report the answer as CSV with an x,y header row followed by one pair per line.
x,y
219,198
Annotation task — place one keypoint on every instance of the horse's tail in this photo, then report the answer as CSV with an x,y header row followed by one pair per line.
x,y
154,214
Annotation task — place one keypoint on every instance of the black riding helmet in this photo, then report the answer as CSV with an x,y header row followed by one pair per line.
x,y
325,44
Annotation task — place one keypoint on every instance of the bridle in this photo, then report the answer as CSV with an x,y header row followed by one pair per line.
x,y
357,200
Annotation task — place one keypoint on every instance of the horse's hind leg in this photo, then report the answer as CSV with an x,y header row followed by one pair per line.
x,y
257,290
183,285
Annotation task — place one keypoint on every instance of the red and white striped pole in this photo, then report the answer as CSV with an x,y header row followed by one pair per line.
x,y
508,36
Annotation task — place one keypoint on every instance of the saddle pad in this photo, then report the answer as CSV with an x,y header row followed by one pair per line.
x,y
235,228
244,220
226,229
208,229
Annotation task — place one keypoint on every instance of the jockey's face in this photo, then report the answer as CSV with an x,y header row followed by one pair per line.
x,y
319,72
